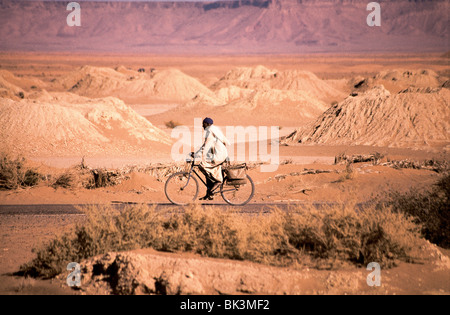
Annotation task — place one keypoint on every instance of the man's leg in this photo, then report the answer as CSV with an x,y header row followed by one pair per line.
x,y
211,187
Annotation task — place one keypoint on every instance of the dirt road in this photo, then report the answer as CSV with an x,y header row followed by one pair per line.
x,y
65,209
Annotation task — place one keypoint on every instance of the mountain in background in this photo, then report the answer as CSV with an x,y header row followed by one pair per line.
x,y
245,26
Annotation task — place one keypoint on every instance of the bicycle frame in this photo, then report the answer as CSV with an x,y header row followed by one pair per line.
x,y
192,170
230,192
190,174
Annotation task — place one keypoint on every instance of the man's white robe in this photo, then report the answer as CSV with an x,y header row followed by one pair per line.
x,y
214,152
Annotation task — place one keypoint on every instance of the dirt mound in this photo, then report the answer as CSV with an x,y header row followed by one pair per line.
x,y
270,107
150,272
276,98
88,80
247,76
64,124
278,106
170,84
231,93
9,90
398,79
147,271
126,71
174,84
413,118
306,81
293,80
16,87
23,82
271,97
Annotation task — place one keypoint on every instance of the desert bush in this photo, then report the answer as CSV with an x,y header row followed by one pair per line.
x,y
31,178
106,229
65,180
373,158
276,238
215,233
102,178
430,209
361,237
85,178
172,124
435,165
14,173
10,173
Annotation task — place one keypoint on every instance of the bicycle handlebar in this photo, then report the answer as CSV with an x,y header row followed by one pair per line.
x,y
191,157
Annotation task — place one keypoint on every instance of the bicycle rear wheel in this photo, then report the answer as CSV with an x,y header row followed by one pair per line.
x,y
181,188
238,195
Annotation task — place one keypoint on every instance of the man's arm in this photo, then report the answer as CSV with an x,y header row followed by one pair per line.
x,y
203,145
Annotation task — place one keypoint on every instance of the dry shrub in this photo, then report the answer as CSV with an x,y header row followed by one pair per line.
x,y
368,235
430,209
304,236
31,178
14,173
65,180
222,234
105,229
172,124
77,177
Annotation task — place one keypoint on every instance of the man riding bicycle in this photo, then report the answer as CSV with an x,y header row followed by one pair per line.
x,y
214,153
234,185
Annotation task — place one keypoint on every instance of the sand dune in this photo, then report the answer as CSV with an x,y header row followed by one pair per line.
x,y
415,118
246,95
64,124
173,84
399,79
270,107
26,83
167,84
399,108
261,77
9,90
15,87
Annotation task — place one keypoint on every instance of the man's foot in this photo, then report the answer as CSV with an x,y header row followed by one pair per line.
x,y
207,197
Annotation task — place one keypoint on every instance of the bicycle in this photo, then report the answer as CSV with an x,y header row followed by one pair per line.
x,y
182,188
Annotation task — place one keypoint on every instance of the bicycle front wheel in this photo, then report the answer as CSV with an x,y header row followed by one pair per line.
x,y
238,195
181,189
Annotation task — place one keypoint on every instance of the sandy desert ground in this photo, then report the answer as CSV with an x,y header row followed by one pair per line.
x,y
57,109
